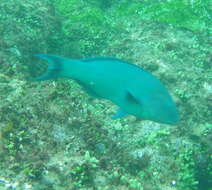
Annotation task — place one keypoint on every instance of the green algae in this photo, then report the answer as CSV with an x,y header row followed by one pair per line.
x,y
50,133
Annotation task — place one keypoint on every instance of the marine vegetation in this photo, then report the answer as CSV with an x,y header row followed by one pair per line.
x,y
54,136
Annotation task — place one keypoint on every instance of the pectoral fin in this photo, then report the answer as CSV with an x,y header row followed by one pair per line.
x,y
132,98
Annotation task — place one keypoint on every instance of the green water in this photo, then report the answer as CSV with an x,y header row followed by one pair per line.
x,y
54,136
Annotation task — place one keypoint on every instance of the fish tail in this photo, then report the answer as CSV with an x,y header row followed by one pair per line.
x,y
55,67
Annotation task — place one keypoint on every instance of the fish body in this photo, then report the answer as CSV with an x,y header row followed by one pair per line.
x,y
136,91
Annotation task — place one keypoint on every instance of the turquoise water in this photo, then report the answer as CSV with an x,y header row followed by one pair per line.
x,y
53,135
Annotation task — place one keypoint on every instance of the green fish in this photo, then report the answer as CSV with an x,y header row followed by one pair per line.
x,y
136,91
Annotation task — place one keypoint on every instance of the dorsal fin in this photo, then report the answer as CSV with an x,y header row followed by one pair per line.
x,y
103,58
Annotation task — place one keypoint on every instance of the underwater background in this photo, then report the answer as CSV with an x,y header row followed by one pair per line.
x,y
54,136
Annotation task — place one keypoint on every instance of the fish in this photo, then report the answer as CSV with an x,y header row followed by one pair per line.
x,y
135,91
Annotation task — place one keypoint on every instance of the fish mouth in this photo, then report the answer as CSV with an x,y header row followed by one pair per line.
x,y
173,119
168,122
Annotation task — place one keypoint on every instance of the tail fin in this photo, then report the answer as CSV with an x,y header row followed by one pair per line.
x,y
55,66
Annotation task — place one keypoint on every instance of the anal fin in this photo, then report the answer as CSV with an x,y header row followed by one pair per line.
x,y
119,114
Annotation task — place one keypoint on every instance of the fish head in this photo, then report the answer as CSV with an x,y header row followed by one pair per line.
x,y
160,109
